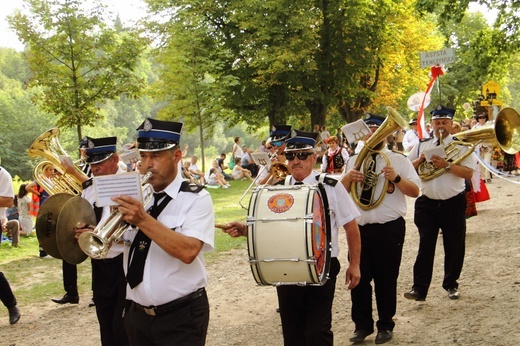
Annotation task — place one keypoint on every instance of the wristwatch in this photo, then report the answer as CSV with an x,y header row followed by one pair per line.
x,y
397,179
448,167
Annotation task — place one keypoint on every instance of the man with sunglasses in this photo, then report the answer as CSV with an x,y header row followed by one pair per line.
x,y
306,311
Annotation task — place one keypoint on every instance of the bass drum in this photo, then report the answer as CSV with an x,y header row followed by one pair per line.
x,y
289,235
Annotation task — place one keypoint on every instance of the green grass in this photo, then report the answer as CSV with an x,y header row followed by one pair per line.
x,y
36,279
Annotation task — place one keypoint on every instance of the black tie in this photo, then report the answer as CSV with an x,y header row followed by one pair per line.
x,y
141,244
298,183
366,195
98,211
438,142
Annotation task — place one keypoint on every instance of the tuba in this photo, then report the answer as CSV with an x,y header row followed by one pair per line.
x,y
48,146
504,131
365,160
111,228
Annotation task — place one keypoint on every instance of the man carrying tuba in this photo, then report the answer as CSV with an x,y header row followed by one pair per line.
x,y
441,206
382,229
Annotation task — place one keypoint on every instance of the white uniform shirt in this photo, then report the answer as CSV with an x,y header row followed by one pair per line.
x,y
393,204
165,277
6,188
410,140
90,195
446,185
342,208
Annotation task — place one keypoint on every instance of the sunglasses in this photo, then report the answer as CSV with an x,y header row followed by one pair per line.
x,y
277,143
301,156
481,117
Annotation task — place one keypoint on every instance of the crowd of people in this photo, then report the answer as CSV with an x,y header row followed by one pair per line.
x,y
155,276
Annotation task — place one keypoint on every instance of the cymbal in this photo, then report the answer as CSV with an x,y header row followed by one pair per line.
x,y
76,209
46,223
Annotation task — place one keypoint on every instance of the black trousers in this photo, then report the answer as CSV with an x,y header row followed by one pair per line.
x,y
183,326
70,278
109,287
306,311
6,294
381,250
430,216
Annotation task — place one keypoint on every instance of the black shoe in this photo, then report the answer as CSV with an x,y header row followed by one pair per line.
x,y
14,314
383,336
360,335
414,295
453,293
67,299
91,303
43,254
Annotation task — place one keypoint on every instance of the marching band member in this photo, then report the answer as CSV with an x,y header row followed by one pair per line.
x,y
164,263
305,311
108,278
441,206
276,145
382,230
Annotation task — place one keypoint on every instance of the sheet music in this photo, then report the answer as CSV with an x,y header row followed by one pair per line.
x,y
261,159
355,131
117,184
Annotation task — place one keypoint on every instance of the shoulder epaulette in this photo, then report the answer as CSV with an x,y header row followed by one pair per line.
x,y
422,140
398,152
187,187
326,179
87,183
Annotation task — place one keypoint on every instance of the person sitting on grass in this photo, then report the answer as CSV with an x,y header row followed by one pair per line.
x,y
216,179
239,172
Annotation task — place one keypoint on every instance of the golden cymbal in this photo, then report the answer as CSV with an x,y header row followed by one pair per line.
x,y
75,210
46,223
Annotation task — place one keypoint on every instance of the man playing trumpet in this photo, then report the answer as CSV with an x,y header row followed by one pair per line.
x,y
441,206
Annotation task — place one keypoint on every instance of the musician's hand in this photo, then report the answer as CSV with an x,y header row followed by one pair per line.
x,y
82,228
234,229
354,175
132,209
353,276
439,162
389,173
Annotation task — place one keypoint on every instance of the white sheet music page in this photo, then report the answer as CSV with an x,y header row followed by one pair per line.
x,y
355,131
108,186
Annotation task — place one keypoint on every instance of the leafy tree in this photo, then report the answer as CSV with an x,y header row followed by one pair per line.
x,y
76,58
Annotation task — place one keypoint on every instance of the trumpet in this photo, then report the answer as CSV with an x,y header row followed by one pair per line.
x,y
110,229
504,131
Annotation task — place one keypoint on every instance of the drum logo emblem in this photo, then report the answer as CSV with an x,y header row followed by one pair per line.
x,y
280,203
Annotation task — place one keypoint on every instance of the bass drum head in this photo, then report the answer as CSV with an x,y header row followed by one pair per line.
x,y
47,220
320,234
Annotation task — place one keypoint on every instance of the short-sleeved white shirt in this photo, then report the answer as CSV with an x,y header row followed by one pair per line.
x,y
393,205
90,195
165,277
342,208
6,188
446,185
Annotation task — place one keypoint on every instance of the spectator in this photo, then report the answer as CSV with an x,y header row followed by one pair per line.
x,y
216,179
237,149
186,174
195,171
248,163
240,173
222,166
25,219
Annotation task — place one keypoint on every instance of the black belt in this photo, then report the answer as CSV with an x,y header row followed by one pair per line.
x,y
174,304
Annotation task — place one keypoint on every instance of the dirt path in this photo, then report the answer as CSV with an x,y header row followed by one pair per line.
x,y
488,312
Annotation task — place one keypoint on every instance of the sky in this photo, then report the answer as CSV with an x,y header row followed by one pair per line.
x,y
128,11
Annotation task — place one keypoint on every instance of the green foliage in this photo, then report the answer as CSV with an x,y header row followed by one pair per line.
x,y
77,59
